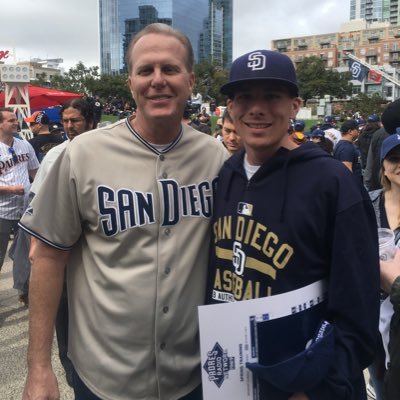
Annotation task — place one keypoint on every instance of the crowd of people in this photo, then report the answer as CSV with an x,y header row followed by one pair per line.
x,y
124,230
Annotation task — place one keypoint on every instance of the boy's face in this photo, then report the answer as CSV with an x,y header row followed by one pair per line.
x,y
261,114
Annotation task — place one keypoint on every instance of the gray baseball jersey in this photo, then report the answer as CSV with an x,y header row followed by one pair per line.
x,y
46,165
137,223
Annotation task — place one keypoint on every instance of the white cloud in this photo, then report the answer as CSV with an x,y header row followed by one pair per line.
x,y
69,29
257,22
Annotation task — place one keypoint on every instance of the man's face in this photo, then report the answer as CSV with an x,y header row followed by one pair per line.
x,y
35,128
261,113
9,126
74,123
159,80
355,134
232,140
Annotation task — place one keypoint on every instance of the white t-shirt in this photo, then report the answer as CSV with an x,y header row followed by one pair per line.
x,y
250,169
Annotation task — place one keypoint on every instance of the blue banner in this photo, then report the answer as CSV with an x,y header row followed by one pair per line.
x,y
358,71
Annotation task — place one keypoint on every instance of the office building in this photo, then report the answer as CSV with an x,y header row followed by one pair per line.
x,y
207,23
110,51
375,11
216,38
378,46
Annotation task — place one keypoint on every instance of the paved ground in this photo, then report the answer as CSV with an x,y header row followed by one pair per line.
x,y
14,341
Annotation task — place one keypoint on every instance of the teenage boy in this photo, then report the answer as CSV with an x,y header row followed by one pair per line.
x,y
287,216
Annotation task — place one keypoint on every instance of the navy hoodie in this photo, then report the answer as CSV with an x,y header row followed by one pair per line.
x,y
299,219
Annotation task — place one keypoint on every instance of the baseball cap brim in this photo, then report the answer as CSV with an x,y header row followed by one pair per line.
x,y
230,88
303,370
389,144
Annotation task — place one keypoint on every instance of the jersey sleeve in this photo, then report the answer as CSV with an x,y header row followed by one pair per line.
x,y
53,215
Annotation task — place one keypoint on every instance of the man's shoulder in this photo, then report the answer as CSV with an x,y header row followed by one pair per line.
x,y
379,136
104,133
201,139
344,145
56,150
21,143
43,139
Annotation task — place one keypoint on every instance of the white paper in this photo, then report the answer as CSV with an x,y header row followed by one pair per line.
x,y
227,339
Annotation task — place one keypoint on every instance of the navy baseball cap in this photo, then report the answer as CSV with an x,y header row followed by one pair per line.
x,y
329,119
299,125
389,144
303,370
373,118
262,65
349,125
317,133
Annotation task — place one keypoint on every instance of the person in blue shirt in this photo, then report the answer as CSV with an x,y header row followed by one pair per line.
x,y
346,151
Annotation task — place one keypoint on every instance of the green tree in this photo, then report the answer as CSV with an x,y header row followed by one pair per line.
x,y
209,79
87,80
317,81
113,85
366,104
78,79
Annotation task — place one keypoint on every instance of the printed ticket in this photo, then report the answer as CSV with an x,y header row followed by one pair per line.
x,y
228,339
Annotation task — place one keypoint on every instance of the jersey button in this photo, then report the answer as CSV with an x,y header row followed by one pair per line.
x,y
165,309
162,346
167,232
167,270
162,157
165,175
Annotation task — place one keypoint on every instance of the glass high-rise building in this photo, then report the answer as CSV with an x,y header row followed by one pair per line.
x,y
109,41
216,39
207,23
375,10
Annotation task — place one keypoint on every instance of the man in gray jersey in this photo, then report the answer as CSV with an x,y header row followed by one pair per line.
x,y
127,208
18,162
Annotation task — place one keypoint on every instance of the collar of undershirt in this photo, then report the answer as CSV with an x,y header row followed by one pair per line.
x,y
149,145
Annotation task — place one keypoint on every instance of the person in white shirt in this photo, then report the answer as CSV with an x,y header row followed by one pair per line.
x,y
18,163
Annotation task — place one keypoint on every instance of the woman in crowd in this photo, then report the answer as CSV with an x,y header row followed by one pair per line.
x,y
386,202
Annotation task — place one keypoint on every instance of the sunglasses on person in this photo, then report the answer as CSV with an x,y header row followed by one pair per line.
x,y
13,155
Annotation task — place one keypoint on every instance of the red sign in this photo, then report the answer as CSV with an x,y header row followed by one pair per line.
x,y
374,76
4,54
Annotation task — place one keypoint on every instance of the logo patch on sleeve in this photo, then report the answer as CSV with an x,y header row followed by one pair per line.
x,y
245,209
